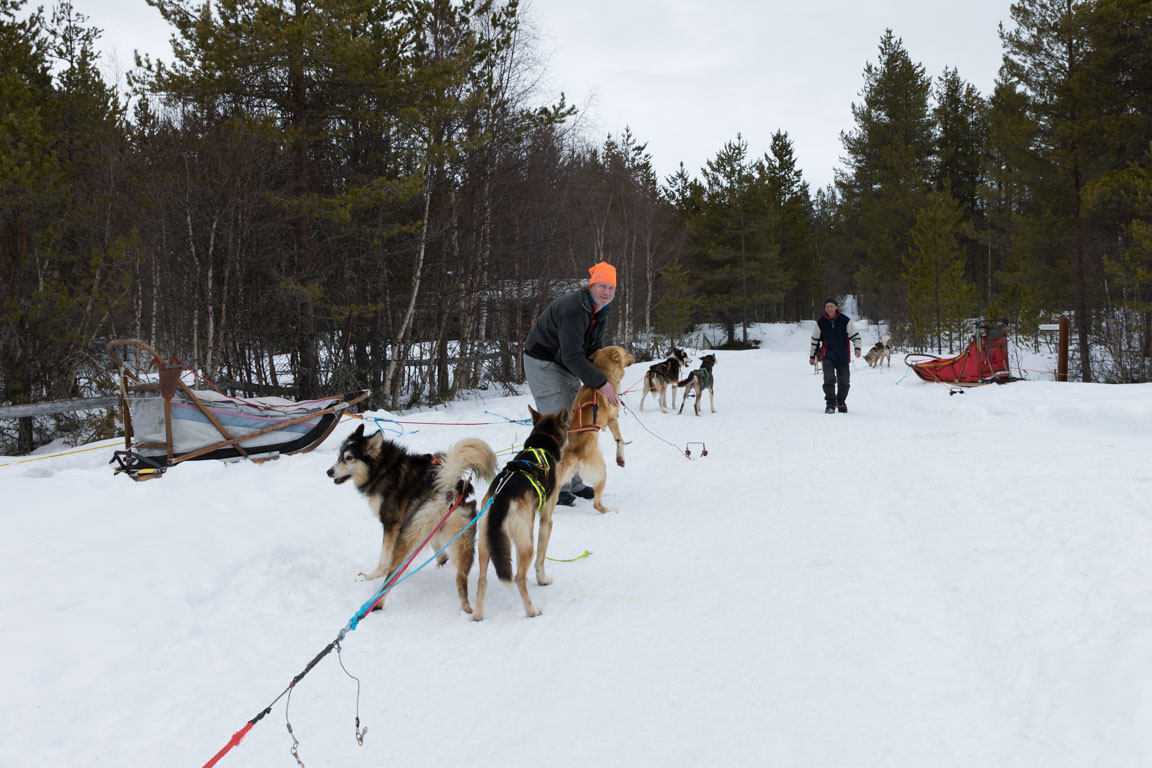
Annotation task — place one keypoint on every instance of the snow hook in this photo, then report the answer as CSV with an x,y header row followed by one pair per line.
x,y
688,450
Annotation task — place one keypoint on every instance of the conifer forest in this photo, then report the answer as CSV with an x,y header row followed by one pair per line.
x,y
320,196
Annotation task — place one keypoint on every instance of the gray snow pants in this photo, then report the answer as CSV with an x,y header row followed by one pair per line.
x,y
553,388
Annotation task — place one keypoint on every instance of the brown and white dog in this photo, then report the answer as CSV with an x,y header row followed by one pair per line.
x,y
817,359
523,487
591,413
879,353
663,375
699,380
411,494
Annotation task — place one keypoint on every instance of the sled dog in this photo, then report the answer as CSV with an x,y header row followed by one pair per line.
x,y
411,493
521,489
663,375
699,380
817,359
879,353
591,413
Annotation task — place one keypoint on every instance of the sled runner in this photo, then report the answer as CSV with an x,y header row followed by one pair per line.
x,y
984,361
166,422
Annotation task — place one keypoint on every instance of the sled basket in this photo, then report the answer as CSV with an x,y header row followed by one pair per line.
x,y
166,422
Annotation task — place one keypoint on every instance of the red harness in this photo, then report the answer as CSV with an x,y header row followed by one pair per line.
x,y
578,412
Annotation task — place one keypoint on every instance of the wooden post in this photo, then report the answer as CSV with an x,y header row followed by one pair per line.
x,y
1062,359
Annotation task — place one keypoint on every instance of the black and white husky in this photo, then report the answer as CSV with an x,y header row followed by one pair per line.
x,y
663,375
411,494
699,380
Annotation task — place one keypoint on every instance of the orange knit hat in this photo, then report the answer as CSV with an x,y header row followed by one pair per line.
x,y
602,273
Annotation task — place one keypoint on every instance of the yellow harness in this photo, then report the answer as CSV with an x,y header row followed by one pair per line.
x,y
543,463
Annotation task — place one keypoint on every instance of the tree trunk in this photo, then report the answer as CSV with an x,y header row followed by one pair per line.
x,y
391,380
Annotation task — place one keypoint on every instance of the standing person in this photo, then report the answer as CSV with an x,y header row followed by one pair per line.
x,y
556,353
837,333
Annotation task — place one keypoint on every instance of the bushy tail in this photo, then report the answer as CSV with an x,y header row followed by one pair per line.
x,y
684,382
471,453
499,543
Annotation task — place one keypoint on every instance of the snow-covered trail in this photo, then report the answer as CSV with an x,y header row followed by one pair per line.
x,y
927,580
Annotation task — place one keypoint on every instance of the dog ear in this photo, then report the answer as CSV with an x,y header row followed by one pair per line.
x,y
359,431
374,444
534,413
563,417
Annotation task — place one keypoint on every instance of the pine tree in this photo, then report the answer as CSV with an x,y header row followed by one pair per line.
x,y
60,276
889,155
1046,53
960,131
939,297
1009,165
801,271
1118,201
723,252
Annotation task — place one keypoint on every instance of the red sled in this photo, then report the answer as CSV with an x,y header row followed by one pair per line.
x,y
985,361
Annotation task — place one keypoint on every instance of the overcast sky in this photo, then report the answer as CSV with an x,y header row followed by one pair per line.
x,y
688,75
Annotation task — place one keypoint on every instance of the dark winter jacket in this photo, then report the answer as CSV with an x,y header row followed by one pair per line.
x,y
567,333
838,335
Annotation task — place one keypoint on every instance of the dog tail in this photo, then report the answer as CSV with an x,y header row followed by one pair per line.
x,y
471,453
499,543
684,382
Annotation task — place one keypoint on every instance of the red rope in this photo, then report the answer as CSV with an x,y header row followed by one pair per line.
x,y
240,734
236,738
399,572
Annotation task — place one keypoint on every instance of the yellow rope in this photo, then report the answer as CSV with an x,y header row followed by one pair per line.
x,y
58,455
571,559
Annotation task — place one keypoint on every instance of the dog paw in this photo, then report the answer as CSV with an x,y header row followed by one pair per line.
x,y
442,559
543,580
477,616
533,612
620,461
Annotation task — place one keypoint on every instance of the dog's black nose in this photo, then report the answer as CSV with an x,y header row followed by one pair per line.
x,y
331,471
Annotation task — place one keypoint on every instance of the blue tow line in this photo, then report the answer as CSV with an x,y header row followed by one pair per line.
x,y
388,587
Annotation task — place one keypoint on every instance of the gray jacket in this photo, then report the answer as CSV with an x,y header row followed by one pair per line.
x,y
567,333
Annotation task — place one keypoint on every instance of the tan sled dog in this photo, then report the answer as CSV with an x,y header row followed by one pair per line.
x,y
879,353
510,506
591,413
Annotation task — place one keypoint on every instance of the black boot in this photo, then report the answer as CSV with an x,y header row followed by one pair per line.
x,y
566,499
829,408
841,407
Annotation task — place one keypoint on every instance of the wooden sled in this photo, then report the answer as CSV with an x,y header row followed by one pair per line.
x,y
166,422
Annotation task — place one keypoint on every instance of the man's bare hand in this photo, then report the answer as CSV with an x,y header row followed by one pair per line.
x,y
609,393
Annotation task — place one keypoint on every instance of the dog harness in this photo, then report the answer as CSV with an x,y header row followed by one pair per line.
x,y
594,403
542,464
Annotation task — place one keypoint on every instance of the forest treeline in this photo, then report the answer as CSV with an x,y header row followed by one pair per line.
x,y
317,196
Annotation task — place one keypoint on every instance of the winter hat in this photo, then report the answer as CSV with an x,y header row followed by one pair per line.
x,y
602,273
832,301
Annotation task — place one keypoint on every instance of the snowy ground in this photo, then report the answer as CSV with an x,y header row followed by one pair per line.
x,y
929,580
